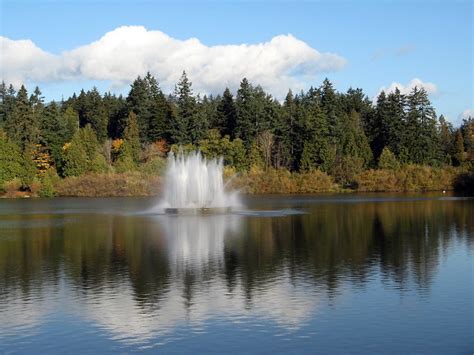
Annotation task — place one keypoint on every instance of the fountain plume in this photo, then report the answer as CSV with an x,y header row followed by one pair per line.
x,y
193,182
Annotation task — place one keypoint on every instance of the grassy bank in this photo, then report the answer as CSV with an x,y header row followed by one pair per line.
x,y
410,178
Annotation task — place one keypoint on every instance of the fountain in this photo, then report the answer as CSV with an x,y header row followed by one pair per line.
x,y
194,184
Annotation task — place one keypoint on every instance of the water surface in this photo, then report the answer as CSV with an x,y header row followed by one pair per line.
x,y
297,274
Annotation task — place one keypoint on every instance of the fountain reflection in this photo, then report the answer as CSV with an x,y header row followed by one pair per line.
x,y
195,289
143,278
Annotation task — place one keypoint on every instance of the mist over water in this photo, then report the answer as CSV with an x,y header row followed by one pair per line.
x,y
193,182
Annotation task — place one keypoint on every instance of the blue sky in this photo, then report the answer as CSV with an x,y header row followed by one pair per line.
x,y
362,44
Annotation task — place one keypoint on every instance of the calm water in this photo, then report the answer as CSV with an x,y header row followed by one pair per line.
x,y
300,274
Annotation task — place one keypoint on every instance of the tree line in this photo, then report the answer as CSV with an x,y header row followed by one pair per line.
x,y
338,133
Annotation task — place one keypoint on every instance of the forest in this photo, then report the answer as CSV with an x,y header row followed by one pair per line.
x,y
313,141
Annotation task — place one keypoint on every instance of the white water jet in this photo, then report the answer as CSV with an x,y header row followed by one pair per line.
x,y
194,183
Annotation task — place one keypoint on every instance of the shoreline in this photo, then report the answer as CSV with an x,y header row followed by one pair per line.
x,y
410,178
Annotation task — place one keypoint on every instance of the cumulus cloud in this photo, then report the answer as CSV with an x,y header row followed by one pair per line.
x,y
466,114
406,89
126,52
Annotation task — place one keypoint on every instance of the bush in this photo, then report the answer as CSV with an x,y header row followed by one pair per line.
x,y
48,183
99,164
282,181
10,188
104,185
407,178
154,166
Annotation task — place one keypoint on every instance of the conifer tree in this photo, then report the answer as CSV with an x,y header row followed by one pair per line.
x,y
71,122
226,114
459,153
388,160
245,113
421,135
53,131
132,137
138,102
10,159
21,125
185,128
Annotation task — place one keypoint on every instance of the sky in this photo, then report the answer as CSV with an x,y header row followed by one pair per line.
x,y
63,46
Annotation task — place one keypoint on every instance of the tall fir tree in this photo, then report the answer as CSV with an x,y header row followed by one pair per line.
x,y
132,137
226,114
245,113
54,132
21,125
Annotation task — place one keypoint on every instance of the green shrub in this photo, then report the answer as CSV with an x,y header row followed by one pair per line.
x,y
387,160
11,165
154,166
48,183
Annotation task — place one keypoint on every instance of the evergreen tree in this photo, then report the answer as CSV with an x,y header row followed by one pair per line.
x,y
331,109
138,102
10,159
226,114
116,110
388,160
188,125
132,138
87,138
467,129
446,139
160,116
459,153
286,134
354,142
21,125
378,132
421,134
71,122
318,150
394,126
54,132
245,113
75,159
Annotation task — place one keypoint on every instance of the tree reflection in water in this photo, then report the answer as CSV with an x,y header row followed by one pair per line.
x,y
142,276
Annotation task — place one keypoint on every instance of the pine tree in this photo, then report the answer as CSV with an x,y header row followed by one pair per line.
x,y
10,159
186,128
226,114
7,103
421,132
116,110
317,152
354,142
459,153
21,125
132,138
245,113
446,139
467,129
286,135
331,109
54,132
395,126
138,102
71,122
75,160
388,160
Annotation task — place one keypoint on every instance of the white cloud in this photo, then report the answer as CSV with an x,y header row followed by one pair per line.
x,y
466,114
406,89
126,52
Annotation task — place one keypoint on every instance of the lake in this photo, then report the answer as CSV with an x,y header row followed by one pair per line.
x,y
287,274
